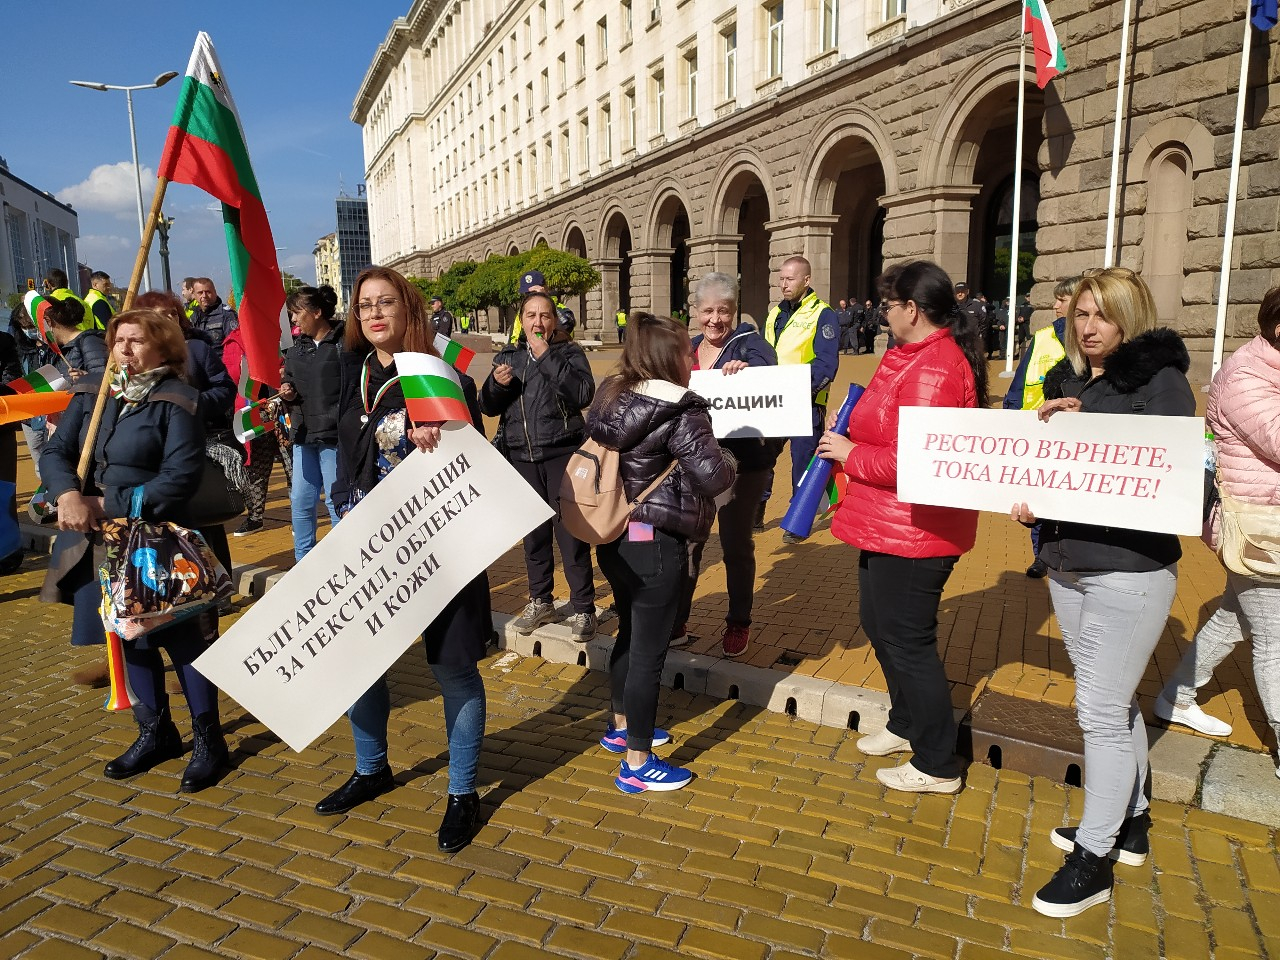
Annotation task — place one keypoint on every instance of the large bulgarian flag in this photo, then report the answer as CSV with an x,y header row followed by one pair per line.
x,y
1050,60
432,390
206,148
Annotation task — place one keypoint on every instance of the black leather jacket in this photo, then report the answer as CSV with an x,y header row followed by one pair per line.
x,y
1146,375
652,425
541,409
314,368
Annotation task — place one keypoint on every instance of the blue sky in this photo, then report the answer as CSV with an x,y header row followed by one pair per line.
x,y
293,69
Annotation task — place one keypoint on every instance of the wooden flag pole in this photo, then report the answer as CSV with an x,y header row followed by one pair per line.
x,y
139,265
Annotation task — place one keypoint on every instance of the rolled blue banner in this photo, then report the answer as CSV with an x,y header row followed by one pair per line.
x,y
811,491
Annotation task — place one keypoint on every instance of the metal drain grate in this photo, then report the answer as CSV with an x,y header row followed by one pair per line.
x,y
1024,735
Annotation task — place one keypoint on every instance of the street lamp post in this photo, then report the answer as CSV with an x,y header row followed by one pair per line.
x,y
162,228
159,81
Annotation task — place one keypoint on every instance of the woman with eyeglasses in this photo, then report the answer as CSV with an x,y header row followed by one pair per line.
x,y
908,550
375,434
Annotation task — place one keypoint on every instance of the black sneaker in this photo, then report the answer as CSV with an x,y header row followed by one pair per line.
x,y
1132,845
248,527
1084,880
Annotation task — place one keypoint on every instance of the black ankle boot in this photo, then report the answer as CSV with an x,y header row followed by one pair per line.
x,y
459,821
359,788
1083,880
208,753
158,741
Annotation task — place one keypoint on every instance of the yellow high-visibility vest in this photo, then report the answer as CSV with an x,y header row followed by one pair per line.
x,y
93,297
1046,352
622,318
62,293
795,344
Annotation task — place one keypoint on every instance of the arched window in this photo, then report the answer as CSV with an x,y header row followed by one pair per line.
x,y
1164,239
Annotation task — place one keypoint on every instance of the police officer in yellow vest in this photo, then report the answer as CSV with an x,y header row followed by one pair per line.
x,y
55,286
1027,390
804,329
622,326
100,304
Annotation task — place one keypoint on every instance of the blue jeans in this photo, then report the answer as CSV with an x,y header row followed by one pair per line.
x,y
462,689
315,467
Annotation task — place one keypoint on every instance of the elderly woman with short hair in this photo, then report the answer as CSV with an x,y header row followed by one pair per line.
x,y
730,346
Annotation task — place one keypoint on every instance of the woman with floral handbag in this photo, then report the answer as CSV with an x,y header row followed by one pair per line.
x,y
148,450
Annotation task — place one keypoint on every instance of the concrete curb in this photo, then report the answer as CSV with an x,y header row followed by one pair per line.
x,y
1185,769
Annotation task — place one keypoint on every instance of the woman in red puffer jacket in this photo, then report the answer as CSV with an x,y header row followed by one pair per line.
x,y
908,550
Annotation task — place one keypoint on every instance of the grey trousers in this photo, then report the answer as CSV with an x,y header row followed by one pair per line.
x,y
1248,607
1111,623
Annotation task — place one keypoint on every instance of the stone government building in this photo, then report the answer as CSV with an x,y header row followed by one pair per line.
x,y
661,139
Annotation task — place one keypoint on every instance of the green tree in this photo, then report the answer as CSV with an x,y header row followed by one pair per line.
x,y
1026,273
291,283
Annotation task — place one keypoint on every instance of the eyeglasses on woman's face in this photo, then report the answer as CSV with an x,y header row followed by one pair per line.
x,y
373,308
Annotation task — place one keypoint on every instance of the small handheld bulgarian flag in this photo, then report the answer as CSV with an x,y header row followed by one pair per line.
x,y
38,310
454,353
46,379
432,391
253,421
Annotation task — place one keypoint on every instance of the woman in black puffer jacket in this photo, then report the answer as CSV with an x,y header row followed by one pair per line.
x,y
646,412
539,387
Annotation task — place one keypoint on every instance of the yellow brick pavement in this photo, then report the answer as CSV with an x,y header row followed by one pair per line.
x,y
996,632
784,846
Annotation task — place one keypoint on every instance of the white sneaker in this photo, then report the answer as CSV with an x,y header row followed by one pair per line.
x,y
1192,717
910,780
882,744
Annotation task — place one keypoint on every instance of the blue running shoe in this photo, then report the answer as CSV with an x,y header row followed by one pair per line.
x,y
615,741
653,774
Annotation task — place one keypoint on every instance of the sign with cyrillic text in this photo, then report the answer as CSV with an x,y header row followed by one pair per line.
x,y
1119,470
340,618
758,401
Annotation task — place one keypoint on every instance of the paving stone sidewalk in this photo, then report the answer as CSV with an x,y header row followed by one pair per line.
x,y
784,846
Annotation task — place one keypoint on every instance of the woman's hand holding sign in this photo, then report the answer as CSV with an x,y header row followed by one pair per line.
x,y
1067,404
426,436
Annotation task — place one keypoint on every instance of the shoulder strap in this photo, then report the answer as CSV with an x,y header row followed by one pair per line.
x,y
644,494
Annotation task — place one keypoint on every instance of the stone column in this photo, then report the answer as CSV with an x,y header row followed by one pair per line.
x,y
714,254
603,300
932,224
808,237
651,279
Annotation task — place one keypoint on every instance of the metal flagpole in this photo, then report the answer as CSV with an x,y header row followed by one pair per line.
x,y
1224,279
1109,259
1014,238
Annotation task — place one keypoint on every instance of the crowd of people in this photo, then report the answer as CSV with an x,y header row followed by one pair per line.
x,y
173,368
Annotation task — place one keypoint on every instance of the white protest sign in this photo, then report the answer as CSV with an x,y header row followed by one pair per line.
x,y
758,401
1121,470
340,618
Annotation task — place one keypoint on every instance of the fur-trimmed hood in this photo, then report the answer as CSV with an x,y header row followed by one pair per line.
x,y
1131,367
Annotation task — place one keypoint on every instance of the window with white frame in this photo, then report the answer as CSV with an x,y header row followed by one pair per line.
x,y
829,24
773,25
658,102
729,62
605,128
602,39
655,11
528,101
548,168
894,9
580,56
584,143
564,153
546,88
629,118
627,24
689,69
562,72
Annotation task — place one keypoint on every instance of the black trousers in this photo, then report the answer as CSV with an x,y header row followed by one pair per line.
x,y
539,559
899,607
647,579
